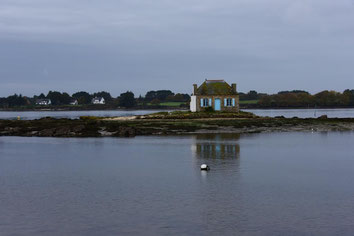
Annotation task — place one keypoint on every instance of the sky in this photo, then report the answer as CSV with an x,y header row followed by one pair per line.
x,y
120,45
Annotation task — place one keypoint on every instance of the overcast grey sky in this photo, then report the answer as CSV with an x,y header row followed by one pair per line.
x,y
119,45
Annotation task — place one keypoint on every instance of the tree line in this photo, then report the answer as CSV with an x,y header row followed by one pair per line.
x,y
126,99
283,99
300,98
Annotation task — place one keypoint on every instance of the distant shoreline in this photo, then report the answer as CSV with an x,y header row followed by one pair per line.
x,y
89,109
294,108
157,108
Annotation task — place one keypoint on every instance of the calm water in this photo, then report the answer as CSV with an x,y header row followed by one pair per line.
x,y
30,115
304,113
262,184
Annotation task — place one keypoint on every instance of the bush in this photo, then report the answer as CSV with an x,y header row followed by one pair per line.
x,y
209,109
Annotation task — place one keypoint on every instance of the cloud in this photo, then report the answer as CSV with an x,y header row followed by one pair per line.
x,y
267,45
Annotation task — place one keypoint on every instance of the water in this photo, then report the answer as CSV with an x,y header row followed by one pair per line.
x,y
31,115
260,184
304,113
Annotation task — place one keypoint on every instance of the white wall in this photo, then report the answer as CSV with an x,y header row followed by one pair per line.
x,y
193,104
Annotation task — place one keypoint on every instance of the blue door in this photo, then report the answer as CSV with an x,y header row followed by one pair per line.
x,y
217,106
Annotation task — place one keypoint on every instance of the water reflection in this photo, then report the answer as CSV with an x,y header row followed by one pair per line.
x,y
216,146
220,197
220,151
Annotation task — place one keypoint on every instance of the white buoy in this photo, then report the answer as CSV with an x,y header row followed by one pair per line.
x,y
204,167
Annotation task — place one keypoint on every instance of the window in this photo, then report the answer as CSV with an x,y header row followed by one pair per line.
x,y
205,102
229,102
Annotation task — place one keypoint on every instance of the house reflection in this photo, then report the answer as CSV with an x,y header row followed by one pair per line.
x,y
216,146
220,189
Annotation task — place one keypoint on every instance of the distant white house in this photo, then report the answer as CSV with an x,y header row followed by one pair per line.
x,y
74,102
98,100
43,102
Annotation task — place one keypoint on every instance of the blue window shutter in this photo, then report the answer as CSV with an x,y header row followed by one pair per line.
x,y
209,102
233,102
201,102
225,102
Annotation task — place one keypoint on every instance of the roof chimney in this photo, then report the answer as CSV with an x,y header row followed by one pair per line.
x,y
233,88
195,88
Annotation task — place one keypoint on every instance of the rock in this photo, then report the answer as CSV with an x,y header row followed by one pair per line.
x,y
46,132
33,133
12,129
323,117
78,128
62,131
126,132
47,118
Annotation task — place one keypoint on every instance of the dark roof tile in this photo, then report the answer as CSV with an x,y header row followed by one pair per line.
x,y
215,87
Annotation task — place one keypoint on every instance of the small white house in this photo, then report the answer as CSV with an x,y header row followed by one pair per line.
x,y
43,102
98,100
74,102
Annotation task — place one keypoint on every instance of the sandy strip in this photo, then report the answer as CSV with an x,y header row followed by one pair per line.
x,y
122,118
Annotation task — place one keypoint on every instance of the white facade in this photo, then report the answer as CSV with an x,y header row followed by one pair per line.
x,y
74,102
193,104
43,102
98,100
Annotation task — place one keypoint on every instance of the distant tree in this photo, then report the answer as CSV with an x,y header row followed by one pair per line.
x,y
140,98
170,98
149,96
65,98
179,97
107,96
54,96
4,103
266,101
82,97
16,100
127,99
58,98
41,96
293,91
252,95
301,98
155,101
163,94
242,96
349,97
327,98
159,94
305,99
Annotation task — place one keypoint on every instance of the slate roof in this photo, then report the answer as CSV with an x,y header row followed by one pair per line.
x,y
215,87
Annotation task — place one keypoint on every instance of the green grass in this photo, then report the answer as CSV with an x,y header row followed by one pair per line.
x,y
249,102
171,104
199,115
